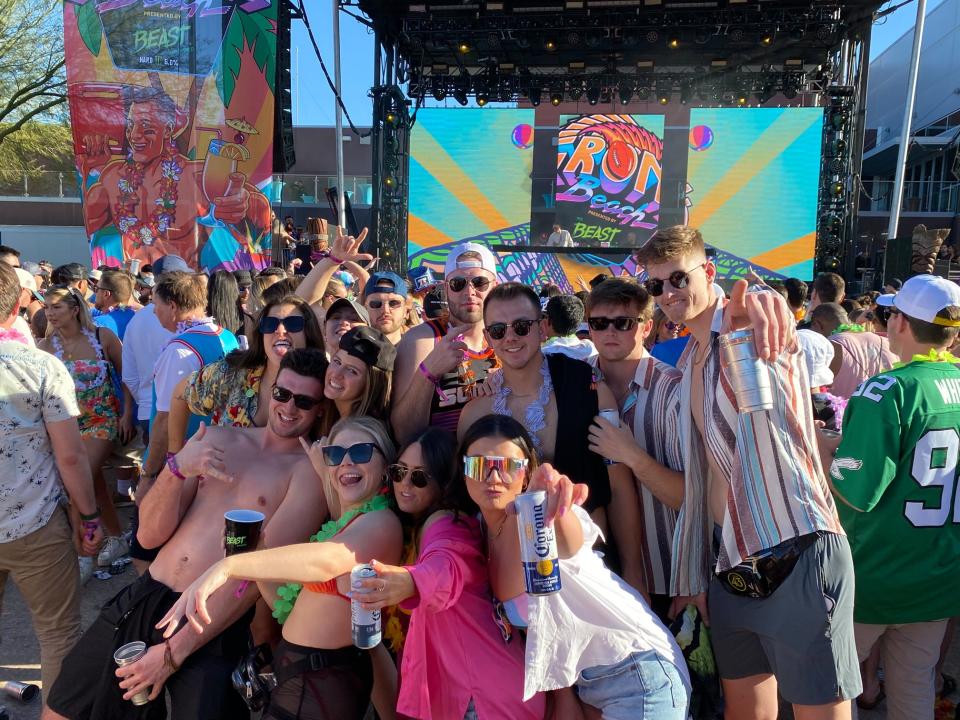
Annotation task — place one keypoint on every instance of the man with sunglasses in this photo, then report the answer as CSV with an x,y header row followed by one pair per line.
x,y
643,509
385,298
553,396
219,469
758,526
440,363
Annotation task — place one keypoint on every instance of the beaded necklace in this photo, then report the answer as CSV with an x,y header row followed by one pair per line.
x,y
136,231
97,349
535,416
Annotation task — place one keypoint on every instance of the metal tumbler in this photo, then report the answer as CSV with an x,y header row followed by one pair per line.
x,y
127,655
747,372
24,692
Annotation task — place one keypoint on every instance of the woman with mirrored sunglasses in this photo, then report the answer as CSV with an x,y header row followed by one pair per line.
x,y
236,390
597,632
455,662
320,674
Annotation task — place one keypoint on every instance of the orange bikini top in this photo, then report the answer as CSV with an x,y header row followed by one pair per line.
x,y
329,587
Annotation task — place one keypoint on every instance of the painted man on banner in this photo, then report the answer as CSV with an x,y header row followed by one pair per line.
x,y
163,203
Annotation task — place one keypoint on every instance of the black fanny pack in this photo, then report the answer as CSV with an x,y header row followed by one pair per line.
x,y
250,681
760,575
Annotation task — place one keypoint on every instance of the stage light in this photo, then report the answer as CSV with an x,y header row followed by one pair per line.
x,y
534,95
438,86
766,38
839,120
833,224
482,98
686,92
593,92
741,98
556,98
767,92
835,166
701,36
573,38
461,87
390,183
652,36
576,90
390,118
839,147
625,91
673,42
594,38
549,45
836,189
463,48
736,34
831,264
630,36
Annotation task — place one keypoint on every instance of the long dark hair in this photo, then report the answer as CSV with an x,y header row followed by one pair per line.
x,y
256,355
437,447
222,296
457,498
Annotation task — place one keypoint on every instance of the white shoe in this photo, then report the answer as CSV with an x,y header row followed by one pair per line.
x,y
113,548
86,569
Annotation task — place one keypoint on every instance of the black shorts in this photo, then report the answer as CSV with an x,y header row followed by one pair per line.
x,y
201,690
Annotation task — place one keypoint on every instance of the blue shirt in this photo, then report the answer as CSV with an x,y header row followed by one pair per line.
x,y
669,351
115,320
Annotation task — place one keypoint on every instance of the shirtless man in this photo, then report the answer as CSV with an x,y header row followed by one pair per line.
x,y
753,482
155,172
440,364
219,469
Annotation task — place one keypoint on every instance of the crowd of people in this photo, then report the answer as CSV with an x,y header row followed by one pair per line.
x,y
714,560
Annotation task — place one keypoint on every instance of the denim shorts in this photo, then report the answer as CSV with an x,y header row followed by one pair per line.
x,y
643,686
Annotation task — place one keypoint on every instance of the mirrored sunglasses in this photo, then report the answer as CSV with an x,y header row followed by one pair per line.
x,y
457,284
479,467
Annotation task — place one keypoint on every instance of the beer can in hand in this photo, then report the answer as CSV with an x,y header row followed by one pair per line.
x,y
538,544
366,628
748,374
612,416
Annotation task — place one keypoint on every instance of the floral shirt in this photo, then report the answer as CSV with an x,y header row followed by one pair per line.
x,y
35,389
230,396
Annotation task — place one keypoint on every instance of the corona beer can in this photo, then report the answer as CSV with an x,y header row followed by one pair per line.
x,y
538,544
367,632
612,416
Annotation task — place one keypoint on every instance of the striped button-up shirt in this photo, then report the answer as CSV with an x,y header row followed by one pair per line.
x,y
651,409
776,486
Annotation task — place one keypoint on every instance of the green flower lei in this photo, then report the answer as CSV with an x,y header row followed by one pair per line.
x,y
848,327
932,356
287,594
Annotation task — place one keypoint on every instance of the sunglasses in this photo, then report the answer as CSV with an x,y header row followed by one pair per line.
x,y
521,328
457,284
292,324
359,453
623,324
398,472
479,467
304,402
671,326
678,278
377,304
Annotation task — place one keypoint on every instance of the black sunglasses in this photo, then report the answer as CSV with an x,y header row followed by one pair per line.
x,y
359,453
678,278
292,323
398,472
623,324
521,328
304,402
377,304
457,284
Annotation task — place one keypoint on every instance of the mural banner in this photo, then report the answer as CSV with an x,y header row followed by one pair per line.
x,y
171,106
608,178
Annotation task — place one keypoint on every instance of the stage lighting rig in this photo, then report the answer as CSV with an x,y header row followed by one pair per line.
x,y
625,91
593,91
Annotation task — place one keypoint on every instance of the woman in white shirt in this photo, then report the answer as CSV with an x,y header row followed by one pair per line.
x,y
596,633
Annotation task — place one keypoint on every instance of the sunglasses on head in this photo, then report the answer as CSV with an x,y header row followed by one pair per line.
x,y
359,453
678,278
623,324
457,284
521,328
304,402
398,472
377,304
478,467
292,323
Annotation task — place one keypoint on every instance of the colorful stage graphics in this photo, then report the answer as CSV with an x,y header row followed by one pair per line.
x,y
753,175
171,106
608,178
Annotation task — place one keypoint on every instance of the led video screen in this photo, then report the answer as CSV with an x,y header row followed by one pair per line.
x,y
752,180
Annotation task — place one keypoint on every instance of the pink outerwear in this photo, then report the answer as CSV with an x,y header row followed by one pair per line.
x,y
454,651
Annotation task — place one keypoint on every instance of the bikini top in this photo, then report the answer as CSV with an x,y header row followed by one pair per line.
x,y
329,587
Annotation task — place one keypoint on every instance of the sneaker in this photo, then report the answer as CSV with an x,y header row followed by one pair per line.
x,y
113,548
86,569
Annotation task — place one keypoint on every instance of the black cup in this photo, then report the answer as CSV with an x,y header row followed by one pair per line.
x,y
242,530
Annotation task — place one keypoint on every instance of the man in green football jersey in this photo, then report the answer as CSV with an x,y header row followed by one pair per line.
x,y
895,476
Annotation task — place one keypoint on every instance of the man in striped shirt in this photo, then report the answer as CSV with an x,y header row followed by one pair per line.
x,y
780,592
619,313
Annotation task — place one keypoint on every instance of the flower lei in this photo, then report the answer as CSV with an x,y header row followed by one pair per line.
x,y
848,327
932,356
535,416
134,230
13,335
97,349
185,325
287,594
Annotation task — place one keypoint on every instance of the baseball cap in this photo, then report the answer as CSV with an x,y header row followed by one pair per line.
x,y
817,354
28,282
359,309
71,272
170,263
385,282
455,260
243,277
32,268
146,279
369,345
95,275
923,296
422,278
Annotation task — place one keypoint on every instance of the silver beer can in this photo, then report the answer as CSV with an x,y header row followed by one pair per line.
x,y
612,416
366,628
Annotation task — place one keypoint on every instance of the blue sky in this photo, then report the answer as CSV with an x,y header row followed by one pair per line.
x,y
313,100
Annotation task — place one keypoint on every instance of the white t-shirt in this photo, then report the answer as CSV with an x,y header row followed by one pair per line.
x,y
35,388
142,342
23,327
174,364
561,238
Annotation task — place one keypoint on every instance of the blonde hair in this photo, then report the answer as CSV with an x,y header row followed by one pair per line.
x,y
72,295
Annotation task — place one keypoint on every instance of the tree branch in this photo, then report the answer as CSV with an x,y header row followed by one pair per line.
x,y
39,110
